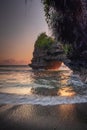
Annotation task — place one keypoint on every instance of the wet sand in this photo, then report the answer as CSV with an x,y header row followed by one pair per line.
x,y
36,117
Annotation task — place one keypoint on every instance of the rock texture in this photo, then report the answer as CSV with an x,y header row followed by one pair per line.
x,y
78,59
71,27
44,58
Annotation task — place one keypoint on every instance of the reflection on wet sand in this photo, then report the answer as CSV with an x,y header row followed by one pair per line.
x,y
35,117
65,112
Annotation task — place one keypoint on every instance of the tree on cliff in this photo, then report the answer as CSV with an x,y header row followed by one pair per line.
x,y
68,21
44,41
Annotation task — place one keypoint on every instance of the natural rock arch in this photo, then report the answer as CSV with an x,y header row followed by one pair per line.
x,y
68,21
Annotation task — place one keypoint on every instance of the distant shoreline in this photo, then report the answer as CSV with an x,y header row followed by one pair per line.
x,y
11,65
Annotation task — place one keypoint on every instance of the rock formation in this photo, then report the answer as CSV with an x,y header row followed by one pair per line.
x,y
68,21
44,58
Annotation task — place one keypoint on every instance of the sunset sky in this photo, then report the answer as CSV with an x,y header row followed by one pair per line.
x,y
21,21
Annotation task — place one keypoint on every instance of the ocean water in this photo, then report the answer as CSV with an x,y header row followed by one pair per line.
x,y
22,85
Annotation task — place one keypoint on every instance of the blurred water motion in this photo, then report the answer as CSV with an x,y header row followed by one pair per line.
x,y
20,84
66,92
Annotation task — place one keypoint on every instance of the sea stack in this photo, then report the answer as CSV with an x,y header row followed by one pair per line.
x,y
44,58
47,56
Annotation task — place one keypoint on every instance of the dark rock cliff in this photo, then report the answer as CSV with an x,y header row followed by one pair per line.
x,y
44,58
69,26
68,21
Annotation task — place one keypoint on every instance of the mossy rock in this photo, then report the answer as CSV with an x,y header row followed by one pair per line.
x,y
44,41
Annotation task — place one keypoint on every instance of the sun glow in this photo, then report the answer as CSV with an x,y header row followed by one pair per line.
x,y
66,91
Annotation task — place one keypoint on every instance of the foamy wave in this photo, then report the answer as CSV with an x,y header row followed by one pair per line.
x,y
40,100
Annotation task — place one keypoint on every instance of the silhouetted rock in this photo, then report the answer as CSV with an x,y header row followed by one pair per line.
x,y
70,26
48,58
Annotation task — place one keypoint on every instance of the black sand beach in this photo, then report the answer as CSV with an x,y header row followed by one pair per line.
x,y
36,117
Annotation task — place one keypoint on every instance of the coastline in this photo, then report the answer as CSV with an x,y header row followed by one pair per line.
x,y
37,117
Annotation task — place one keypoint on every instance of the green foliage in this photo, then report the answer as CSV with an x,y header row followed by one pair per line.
x,y
43,41
68,49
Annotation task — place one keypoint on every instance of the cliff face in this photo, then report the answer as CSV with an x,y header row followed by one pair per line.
x,y
38,61
68,21
52,58
70,26
78,59
48,58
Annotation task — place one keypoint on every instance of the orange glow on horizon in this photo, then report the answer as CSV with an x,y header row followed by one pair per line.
x,y
14,62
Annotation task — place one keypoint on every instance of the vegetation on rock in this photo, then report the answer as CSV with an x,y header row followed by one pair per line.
x,y
44,41
67,48
68,21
